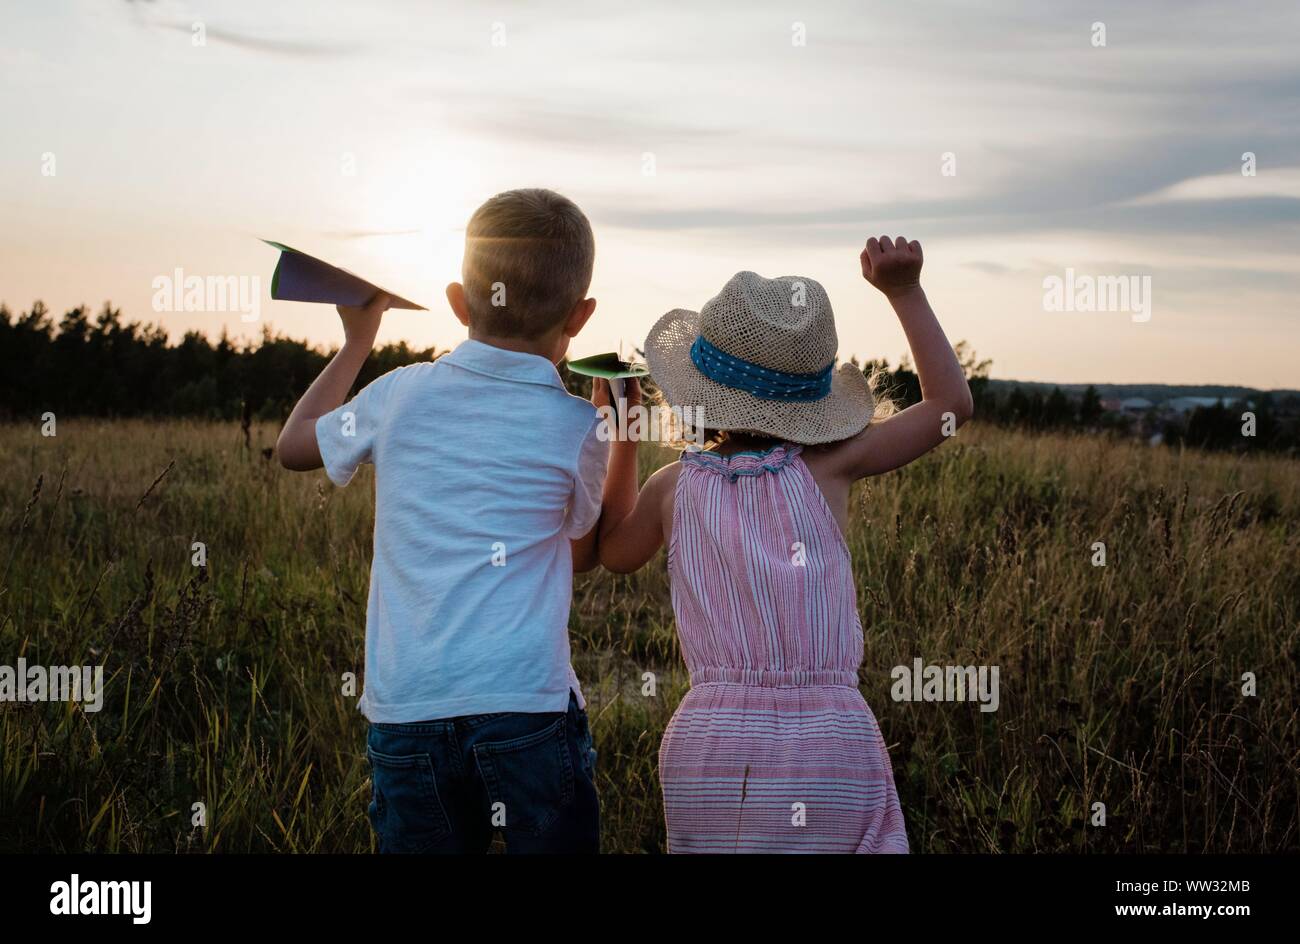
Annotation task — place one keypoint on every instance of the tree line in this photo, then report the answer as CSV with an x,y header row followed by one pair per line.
x,y
103,366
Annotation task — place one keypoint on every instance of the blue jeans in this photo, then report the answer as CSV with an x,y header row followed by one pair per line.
x,y
446,786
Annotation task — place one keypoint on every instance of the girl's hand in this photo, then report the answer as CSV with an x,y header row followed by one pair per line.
x,y
600,396
360,325
600,392
632,391
893,266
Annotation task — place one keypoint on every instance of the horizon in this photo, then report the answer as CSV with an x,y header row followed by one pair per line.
x,y
699,143
325,348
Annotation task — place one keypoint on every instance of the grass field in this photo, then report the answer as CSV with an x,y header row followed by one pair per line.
x,y
1120,684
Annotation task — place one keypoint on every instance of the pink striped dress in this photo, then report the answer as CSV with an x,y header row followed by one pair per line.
x,y
773,749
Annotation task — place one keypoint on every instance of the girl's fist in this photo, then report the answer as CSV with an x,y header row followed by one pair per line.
x,y
892,265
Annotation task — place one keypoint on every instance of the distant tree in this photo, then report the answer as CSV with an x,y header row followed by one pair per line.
x,y
1019,408
105,367
1090,410
1211,427
1057,410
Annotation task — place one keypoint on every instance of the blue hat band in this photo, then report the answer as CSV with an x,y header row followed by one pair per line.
x,y
762,382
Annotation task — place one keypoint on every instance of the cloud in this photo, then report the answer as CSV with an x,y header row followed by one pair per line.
x,y
604,128
988,268
1282,182
280,47
370,233
176,16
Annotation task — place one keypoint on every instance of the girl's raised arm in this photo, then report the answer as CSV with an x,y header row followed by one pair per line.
x,y
894,267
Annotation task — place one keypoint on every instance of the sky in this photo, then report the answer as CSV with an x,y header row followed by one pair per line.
x,y
701,139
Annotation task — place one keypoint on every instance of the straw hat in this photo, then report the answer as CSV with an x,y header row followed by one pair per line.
x,y
760,357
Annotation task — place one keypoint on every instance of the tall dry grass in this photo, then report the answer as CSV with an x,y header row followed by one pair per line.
x,y
1119,684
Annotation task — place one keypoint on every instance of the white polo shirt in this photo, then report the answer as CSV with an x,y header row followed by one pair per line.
x,y
485,468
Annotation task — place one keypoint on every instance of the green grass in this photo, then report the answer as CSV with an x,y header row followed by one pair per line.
x,y
1119,684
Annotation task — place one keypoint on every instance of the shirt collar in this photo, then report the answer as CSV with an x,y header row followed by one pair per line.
x,y
505,365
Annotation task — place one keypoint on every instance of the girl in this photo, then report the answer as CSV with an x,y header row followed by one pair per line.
x,y
774,748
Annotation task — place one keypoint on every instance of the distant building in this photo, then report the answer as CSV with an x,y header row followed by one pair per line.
x,y
1112,405
1135,405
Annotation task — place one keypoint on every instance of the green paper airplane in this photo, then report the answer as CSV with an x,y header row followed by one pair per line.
x,y
610,366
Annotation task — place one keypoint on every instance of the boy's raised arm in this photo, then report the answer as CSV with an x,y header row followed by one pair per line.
x,y
894,267
297,446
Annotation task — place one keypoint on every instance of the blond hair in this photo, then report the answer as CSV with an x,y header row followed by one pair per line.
x,y
528,261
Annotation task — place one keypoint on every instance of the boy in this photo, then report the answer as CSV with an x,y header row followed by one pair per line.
x,y
488,480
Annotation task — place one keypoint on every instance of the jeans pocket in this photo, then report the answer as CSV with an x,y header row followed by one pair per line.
x,y
529,779
405,810
586,745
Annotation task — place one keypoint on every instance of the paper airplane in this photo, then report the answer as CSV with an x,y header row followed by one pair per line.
x,y
613,368
302,278
610,366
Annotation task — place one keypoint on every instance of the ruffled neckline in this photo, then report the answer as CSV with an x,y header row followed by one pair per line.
x,y
743,463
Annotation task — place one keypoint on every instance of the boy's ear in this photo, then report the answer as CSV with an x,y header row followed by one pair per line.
x,y
578,317
456,299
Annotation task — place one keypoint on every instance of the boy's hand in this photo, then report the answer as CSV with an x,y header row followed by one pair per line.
x,y
599,392
893,266
360,325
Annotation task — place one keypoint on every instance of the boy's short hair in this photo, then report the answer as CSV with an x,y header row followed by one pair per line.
x,y
528,260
